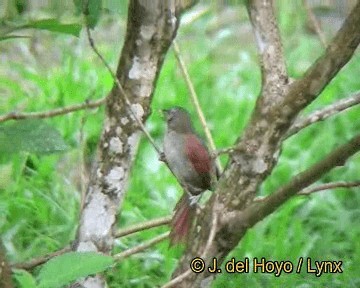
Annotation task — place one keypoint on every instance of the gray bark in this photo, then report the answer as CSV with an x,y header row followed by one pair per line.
x,y
151,27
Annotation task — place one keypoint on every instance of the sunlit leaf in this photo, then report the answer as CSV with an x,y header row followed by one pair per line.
x,y
24,279
54,25
71,266
34,136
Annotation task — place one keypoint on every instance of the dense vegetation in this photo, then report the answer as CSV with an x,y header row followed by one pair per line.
x,y
40,192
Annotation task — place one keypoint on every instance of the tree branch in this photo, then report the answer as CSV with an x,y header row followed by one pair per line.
x,y
327,186
121,89
5,270
322,114
143,226
257,151
41,260
267,35
315,23
195,101
151,27
53,113
141,247
338,53
258,211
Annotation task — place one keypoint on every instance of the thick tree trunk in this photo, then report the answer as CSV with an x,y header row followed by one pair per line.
x,y
151,27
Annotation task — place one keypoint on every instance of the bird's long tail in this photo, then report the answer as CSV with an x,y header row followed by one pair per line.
x,y
182,220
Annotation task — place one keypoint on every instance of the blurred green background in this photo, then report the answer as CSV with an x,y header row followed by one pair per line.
x,y
40,192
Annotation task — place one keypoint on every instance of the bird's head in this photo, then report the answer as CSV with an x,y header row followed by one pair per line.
x,y
178,120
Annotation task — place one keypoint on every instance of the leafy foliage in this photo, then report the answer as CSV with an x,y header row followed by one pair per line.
x,y
68,267
91,8
24,279
34,136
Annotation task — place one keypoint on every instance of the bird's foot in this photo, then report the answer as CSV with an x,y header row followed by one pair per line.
x,y
194,199
162,157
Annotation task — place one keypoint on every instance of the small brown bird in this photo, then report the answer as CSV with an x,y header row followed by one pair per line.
x,y
190,161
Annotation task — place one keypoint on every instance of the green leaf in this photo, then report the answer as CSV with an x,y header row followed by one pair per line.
x,y
92,12
34,136
71,266
55,26
24,279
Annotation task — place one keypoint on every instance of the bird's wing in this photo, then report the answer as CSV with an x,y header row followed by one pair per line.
x,y
198,154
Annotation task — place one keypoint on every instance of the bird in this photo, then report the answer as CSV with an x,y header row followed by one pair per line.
x,y
189,160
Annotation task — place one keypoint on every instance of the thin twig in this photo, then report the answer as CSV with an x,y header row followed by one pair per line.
x,y
204,255
327,186
323,114
259,210
177,279
143,226
315,23
82,161
319,188
41,260
53,113
195,101
141,247
119,86
222,151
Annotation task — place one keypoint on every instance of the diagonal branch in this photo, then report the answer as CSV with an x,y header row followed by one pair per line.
x,y
53,113
257,151
315,23
143,226
260,210
41,260
141,247
267,36
121,233
322,114
195,101
121,89
327,186
338,53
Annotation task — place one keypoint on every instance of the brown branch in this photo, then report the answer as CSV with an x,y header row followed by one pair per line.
x,y
322,114
195,101
273,68
258,211
53,113
143,226
259,147
318,188
41,260
315,23
327,186
121,233
120,87
337,54
141,247
5,270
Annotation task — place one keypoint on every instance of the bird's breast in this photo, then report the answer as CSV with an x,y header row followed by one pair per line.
x,y
175,155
